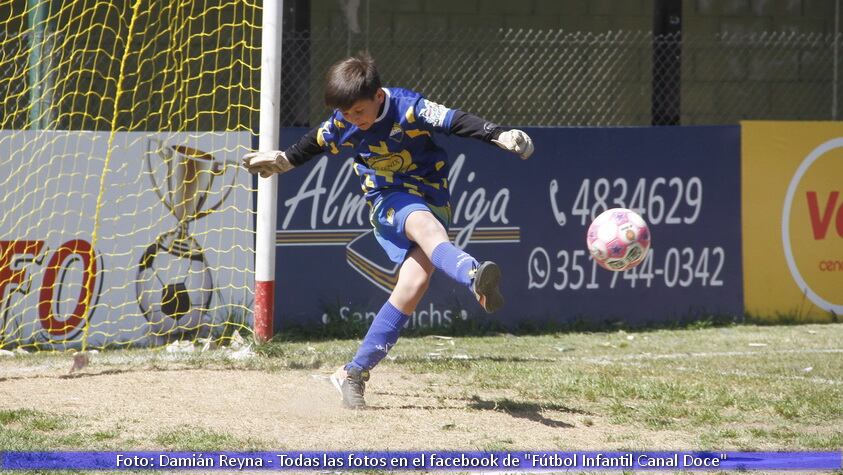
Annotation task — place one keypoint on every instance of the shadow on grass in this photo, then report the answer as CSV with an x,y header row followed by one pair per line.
x,y
524,410
520,409
458,403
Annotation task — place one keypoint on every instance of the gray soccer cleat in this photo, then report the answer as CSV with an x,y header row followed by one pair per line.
x,y
486,286
351,383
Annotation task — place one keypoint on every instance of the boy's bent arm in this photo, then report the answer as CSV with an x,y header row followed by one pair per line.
x,y
469,125
464,124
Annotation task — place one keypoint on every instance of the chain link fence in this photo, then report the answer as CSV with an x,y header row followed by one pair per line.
x,y
514,77
560,78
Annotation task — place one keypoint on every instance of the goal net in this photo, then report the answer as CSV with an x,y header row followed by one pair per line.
x,y
124,218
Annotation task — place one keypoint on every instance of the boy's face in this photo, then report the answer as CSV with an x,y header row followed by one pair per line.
x,y
364,112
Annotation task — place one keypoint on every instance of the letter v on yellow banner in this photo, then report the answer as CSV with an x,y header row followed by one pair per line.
x,y
792,187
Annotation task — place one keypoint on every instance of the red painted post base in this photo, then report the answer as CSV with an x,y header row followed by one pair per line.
x,y
264,310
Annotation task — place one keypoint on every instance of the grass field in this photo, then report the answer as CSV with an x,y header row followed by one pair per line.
x,y
728,388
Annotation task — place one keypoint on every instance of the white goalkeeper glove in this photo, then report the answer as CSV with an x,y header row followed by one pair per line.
x,y
515,141
267,163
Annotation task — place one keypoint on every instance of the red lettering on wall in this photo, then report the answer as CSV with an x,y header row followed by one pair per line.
x,y
8,250
820,224
45,301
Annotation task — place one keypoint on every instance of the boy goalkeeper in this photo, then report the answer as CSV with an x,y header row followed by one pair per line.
x,y
404,175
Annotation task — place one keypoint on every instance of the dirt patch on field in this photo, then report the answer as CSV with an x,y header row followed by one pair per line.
x,y
300,409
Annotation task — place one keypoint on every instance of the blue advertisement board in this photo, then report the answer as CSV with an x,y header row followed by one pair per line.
x,y
531,218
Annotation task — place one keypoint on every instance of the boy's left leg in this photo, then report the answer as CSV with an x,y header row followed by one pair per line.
x,y
483,279
413,280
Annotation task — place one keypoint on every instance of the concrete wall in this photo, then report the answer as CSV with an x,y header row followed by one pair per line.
x,y
756,16
701,16
788,76
574,15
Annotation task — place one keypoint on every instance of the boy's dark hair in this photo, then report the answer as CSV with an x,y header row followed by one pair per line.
x,y
351,80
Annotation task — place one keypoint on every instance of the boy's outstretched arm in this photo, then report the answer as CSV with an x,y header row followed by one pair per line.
x,y
464,124
275,161
267,163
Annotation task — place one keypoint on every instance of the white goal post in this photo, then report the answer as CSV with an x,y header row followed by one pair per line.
x,y
268,139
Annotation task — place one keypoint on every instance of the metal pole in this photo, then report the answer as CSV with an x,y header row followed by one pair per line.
x,y
666,84
36,15
268,139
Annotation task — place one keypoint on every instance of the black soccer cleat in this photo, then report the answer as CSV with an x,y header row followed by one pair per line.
x,y
351,383
486,286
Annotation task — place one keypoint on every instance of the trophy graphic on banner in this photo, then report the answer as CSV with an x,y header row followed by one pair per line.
x,y
174,284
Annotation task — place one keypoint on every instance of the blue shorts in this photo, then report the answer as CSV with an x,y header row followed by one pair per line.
x,y
389,215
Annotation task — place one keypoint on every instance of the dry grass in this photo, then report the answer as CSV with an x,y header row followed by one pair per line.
x,y
734,388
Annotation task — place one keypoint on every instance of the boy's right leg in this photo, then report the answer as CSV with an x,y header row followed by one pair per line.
x,y
483,279
413,280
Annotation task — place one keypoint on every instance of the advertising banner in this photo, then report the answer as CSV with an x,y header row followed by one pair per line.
x,y
793,219
531,218
121,238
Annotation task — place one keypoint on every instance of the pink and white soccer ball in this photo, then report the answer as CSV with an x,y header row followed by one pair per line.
x,y
618,239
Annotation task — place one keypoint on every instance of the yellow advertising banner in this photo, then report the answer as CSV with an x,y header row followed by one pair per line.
x,y
792,213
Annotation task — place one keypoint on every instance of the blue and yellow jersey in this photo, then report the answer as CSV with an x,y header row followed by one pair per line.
x,y
397,153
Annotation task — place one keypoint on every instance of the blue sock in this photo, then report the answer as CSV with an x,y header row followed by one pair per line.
x,y
381,336
453,261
